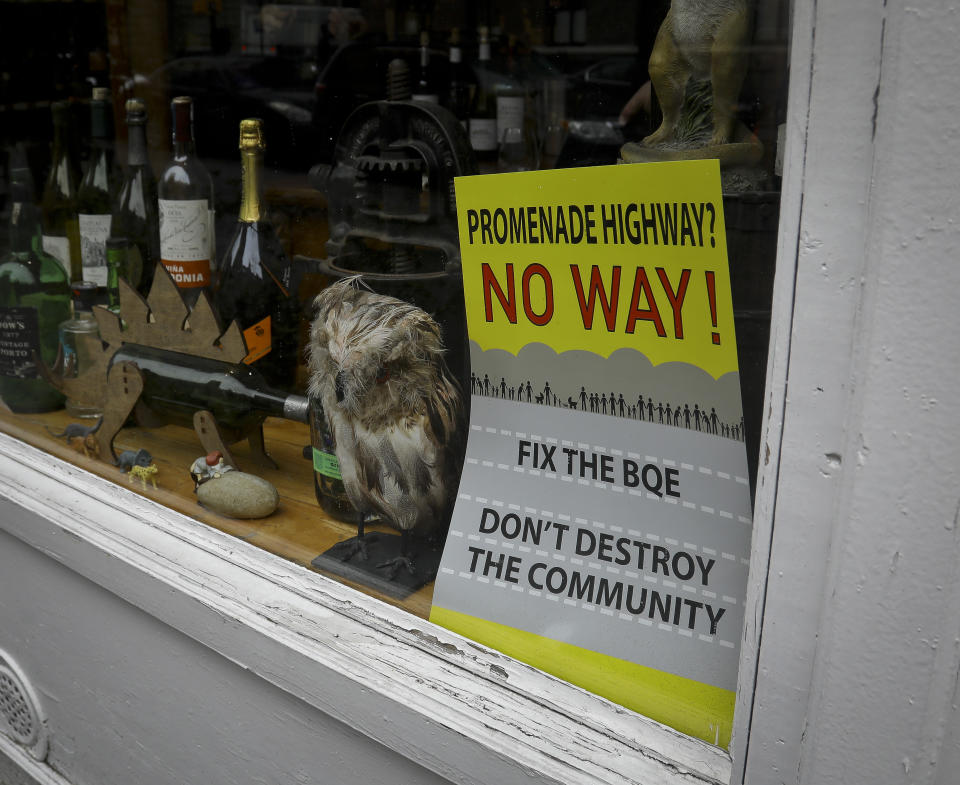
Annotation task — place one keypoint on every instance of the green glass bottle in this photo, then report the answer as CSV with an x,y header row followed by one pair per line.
x,y
483,111
327,480
34,301
135,215
95,197
61,232
118,254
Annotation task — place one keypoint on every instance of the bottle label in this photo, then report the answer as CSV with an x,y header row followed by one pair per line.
x,y
258,340
483,133
59,249
429,98
326,463
94,231
509,113
19,342
185,241
212,229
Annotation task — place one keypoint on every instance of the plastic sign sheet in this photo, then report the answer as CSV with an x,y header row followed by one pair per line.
x,y
602,526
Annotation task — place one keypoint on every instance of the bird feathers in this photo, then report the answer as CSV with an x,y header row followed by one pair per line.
x,y
377,366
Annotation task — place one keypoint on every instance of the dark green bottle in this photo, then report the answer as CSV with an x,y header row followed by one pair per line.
x,y
34,300
135,215
61,232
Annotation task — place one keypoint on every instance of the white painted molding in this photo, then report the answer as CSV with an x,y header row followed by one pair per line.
x,y
29,769
464,711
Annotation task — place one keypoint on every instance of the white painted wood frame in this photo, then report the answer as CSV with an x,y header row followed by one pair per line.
x,y
851,650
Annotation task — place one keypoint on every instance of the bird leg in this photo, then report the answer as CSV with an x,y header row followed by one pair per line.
x,y
402,561
357,546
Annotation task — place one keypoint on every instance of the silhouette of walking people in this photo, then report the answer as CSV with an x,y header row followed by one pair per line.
x,y
702,418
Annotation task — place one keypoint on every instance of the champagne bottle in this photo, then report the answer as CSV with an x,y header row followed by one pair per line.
x,y
253,282
483,112
135,215
34,300
61,232
97,189
423,90
79,339
458,92
186,210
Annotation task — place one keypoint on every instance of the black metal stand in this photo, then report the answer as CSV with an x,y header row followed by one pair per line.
x,y
379,570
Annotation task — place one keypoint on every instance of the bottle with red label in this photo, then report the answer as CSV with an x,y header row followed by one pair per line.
x,y
186,210
253,283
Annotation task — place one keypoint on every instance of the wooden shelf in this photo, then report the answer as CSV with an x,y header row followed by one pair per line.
x,y
299,530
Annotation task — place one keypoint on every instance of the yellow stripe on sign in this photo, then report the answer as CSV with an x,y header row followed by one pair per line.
x,y
691,707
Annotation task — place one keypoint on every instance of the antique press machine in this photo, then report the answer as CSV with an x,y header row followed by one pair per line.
x,y
392,217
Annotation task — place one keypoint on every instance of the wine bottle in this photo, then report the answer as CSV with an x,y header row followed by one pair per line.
x,y
118,254
97,189
186,210
135,216
176,386
483,111
562,21
578,22
253,282
61,232
34,300
458,91
79,340
424,90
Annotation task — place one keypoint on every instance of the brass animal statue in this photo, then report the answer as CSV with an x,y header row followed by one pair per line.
x,y
702,39
144,473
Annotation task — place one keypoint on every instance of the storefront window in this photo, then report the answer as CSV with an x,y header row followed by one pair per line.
x,y
189,192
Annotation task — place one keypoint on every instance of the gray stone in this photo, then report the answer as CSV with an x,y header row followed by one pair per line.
x,y
239,495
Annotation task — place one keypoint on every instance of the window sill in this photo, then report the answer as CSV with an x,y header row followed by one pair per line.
x,y
463,711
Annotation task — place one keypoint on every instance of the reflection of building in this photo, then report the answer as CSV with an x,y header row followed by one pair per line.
x,y
159,647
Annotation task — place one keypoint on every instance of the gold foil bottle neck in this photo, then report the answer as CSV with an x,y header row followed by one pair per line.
x,y
101,94
251,135
251,149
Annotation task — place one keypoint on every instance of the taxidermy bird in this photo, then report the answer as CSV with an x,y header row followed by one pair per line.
x,y
377,366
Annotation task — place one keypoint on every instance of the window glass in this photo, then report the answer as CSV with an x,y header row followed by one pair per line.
x,y
180,181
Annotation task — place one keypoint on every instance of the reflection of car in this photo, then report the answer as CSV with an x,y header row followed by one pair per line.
x,y
357,73
230,88
600,90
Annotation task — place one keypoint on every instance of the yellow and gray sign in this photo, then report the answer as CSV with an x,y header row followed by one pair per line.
x,y
603,521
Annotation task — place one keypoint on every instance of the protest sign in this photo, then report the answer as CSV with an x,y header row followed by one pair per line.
x,y
602,527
